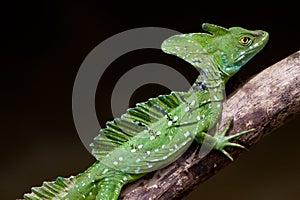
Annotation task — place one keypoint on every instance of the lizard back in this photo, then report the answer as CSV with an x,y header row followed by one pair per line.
x,y
154,133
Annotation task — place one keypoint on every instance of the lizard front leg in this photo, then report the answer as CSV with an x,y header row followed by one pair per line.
x,y
220,141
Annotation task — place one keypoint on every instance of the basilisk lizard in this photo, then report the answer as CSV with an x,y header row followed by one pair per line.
x,y
155,133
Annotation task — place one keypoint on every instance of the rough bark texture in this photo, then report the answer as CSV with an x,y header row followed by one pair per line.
x,y
265,103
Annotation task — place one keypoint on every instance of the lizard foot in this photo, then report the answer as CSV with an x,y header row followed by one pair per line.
x,y
223,141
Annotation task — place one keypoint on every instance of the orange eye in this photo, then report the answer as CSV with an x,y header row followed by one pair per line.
x,y
245,40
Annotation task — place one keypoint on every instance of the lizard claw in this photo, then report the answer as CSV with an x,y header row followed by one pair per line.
x,y
223,141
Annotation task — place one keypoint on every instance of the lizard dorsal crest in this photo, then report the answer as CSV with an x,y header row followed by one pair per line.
x,y
214,29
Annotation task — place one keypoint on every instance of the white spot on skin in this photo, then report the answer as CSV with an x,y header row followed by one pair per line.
x,y
186,109
193,103
137,170
187,134
141,146
175,118
152,137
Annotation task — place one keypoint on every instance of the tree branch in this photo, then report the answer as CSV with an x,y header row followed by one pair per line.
x,y
265,103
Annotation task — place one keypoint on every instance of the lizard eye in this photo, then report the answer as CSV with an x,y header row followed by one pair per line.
x,y
245,40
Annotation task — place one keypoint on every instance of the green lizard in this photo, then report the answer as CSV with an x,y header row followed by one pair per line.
x,y
155,133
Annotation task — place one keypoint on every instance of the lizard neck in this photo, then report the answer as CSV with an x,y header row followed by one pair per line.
x,y
211,77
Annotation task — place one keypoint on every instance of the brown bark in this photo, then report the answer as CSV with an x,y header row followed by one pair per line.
x,y
265,103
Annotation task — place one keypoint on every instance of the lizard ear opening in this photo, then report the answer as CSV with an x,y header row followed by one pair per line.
x,y
214,29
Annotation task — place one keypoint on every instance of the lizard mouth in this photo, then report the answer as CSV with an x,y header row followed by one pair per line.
x,y
241,57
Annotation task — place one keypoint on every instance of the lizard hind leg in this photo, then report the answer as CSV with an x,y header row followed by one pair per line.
x,y
109,190
110,187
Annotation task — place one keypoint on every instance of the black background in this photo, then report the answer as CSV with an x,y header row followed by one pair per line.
x,y
43,44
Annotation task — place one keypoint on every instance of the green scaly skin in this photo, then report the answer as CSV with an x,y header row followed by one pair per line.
x,y
155,133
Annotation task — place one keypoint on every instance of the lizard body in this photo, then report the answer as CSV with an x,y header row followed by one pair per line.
x,y
155,133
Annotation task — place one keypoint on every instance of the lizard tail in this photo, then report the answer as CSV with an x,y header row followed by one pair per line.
x,y
108,188
96,183
51,190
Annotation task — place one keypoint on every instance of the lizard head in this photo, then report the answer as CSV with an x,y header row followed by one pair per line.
x,y
232,48
220,50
